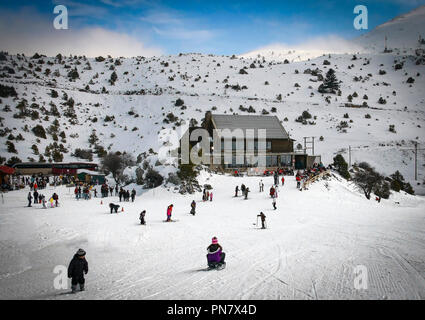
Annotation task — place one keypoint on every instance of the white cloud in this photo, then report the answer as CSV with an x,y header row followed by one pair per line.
x,y
78,9
330,43
28,33
185,34
124,3
173,25
310,48
161,18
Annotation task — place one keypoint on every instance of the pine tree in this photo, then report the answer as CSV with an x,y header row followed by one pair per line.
x,y
382,190
330,83
368,180
93,138
114,78
397,181
341,166
73,74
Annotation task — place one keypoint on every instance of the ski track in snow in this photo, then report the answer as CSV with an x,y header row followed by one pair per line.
x,y
309,251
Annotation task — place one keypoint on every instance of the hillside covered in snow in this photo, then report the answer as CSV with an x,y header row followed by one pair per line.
x,y
311,248
318,231
51,106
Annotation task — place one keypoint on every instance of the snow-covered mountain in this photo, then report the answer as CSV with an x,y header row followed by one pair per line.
x,y
403,33
137,111
312,244
309,49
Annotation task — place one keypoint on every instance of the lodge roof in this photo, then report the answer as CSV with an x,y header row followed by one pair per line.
x,y
272,124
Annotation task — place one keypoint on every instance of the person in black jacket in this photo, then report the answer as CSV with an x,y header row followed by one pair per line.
x,y
114,207
142,217
263,220
76,270
193,207
29,199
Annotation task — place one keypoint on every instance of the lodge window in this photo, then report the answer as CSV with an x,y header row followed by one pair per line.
x,y
269,146
285,160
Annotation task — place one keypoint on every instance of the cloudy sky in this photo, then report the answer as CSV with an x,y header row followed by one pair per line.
x,y
141,27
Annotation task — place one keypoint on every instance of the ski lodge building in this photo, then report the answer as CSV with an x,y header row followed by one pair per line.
x,y
279,146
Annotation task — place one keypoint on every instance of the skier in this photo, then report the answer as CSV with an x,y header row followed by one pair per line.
x,y
193,207
29,199
56,198
76,192
211,195
283,180
261,185
95,193
246,193
236,191
142,217
272,191
243,188
35,196
169,211
274,204
76,270
133,195
43,199
298,178
263,220
127,195
215,255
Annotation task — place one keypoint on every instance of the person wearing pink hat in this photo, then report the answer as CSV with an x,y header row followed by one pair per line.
x,y
215,255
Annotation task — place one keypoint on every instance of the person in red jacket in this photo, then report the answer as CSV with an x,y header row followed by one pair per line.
x,y
272,190
169,211
283,181
298,178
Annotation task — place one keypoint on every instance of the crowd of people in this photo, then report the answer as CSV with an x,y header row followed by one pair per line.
x,y
125,195
207,195
41,199
84,191
302,176
215,255
39,182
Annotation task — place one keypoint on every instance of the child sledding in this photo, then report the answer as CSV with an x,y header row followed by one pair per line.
x,y
215,255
